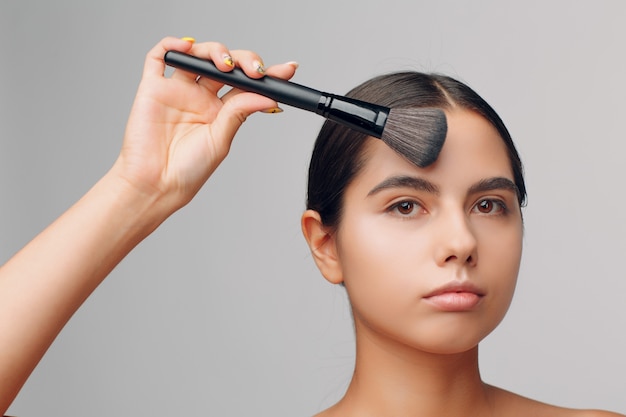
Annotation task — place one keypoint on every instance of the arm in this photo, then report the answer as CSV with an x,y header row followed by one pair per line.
x,y
178,132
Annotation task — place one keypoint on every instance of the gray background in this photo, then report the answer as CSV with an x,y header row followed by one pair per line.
x,y
222,312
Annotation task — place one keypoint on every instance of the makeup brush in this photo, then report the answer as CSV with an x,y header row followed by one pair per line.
x,y
395,127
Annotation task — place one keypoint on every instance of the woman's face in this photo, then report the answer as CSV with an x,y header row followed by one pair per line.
x,y
430,256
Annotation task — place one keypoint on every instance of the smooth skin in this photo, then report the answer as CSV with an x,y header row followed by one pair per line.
x,y
178,132
406,232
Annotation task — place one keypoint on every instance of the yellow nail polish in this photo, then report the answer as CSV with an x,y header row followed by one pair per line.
x,y
259,67
273,110
228,60
188,39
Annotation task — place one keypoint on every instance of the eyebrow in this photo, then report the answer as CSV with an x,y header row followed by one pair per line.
x,y
405,181
420,184
495,183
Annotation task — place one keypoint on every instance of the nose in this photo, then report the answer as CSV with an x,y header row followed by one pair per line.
x,y
456,241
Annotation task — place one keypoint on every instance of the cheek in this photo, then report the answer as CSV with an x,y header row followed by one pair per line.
x,y
499,259
372,250
381,265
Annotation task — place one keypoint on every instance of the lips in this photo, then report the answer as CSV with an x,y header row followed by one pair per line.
x,y
455,297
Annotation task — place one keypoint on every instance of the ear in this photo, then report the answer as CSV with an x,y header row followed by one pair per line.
x,y
323,245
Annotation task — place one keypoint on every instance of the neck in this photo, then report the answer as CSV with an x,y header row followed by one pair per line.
x,y
393,379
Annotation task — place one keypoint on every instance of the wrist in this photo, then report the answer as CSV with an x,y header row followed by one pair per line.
x,y
136,210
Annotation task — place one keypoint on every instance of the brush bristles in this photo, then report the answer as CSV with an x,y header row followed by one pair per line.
x,y
416,133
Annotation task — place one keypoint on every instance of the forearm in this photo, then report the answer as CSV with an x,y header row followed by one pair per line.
x,y
47,281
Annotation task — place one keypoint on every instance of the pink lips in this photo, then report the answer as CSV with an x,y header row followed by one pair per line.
x,y
455,296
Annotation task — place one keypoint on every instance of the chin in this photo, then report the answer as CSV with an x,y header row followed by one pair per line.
x,y
452,340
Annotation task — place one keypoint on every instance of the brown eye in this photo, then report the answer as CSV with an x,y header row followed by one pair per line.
x,y
490,206
406,207
485,206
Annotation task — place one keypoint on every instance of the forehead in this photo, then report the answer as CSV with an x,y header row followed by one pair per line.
x,y
473,150
473,144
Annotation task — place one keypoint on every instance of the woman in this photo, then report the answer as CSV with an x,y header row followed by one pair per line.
x,y
429,256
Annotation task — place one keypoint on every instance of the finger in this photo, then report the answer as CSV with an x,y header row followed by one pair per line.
x,y
214,51
250,62
154,65
211,86
284,71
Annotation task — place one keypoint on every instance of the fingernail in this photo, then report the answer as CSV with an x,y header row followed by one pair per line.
x,y
273,110
293,64
228,60
258,66
188,39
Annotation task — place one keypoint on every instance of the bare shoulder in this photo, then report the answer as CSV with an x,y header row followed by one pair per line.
x,y
594,413
510,404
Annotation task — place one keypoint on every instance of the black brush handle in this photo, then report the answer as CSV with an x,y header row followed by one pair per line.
x,y
359,115
279,90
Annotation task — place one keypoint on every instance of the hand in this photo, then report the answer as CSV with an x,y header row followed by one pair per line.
x,y
180,130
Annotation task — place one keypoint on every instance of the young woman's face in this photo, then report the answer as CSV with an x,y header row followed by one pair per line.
x,y
430,256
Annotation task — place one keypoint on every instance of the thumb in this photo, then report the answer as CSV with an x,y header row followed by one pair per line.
x,y
233,114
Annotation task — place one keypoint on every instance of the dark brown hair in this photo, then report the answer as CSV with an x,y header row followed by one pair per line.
x,y
338,152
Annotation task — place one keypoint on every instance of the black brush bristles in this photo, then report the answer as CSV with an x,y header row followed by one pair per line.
x,y
416,133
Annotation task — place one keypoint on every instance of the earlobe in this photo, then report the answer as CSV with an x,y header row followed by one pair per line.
x,y
323,246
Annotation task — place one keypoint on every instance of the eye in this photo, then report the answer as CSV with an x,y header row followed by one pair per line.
x,y
406,208
490,206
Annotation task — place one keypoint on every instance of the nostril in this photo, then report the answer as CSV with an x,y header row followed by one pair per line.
x,y
451,258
